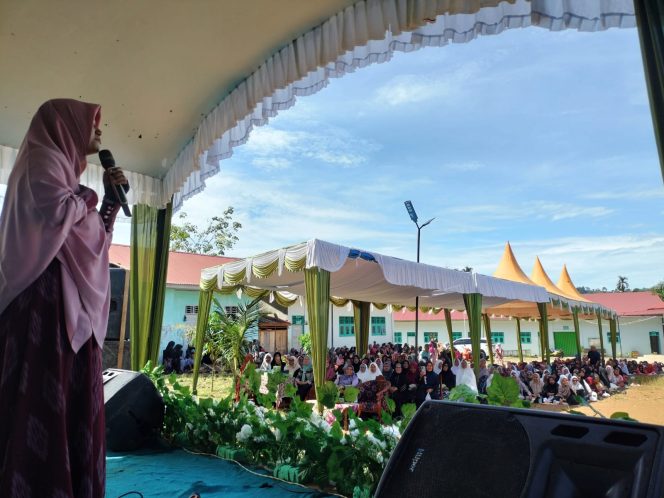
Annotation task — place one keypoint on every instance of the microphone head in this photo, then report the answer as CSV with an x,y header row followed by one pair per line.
x,y
106,158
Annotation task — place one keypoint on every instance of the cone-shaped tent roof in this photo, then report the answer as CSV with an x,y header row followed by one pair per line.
x,y
509,268
566,285
540,277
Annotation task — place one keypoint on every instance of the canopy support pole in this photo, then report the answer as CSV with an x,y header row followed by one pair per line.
x,y
317,290
544,331
601,335
518,339
204,305
487,333
150,236
362,320
613,332
577,331
448,323
473,303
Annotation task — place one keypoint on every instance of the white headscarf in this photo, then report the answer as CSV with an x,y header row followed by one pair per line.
x,y
368,375
576,385
291,369
456,366
565,373
266,366
438,367
466,376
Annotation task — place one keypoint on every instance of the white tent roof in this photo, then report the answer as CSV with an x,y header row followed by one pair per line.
x,y
182,83
369,276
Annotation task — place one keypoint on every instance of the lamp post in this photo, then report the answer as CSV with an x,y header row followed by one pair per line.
x,y
413,216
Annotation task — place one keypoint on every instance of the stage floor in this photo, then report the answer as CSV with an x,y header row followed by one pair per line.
x,y
178,474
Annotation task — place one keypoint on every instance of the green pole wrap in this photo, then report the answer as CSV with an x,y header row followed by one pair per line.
x,y
204,305
487,333
150,235
317,290
577,331
448,323
601,335
518,339
544,331
612,330
362,321
473,303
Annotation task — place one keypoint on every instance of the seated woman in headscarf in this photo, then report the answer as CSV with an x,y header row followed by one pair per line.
x,y
524,390
305,378
565,392
465,376
348,377
599,387
292,368
387,368
330,371
266,366
447,378
277,363
536,387
356,363
428,384
611,377
550,390
167,357
578,388
399,387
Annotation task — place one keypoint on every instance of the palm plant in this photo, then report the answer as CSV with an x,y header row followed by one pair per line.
x,y
230,342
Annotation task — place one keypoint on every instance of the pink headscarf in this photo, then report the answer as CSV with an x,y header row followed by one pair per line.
x,y
47,215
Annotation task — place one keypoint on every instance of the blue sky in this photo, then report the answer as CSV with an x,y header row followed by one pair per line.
x,y
543,139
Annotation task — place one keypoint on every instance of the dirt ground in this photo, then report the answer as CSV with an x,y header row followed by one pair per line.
x,y
643,402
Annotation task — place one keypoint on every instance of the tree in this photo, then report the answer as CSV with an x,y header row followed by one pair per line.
x,y
467,269
658,290
215,239
622,285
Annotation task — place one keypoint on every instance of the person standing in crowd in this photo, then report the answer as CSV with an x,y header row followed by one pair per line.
x,y
305,378
594,357
54,304
466,376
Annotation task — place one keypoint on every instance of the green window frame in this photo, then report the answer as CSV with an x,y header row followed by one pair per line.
x,y
398,338
409,336
457,335
498,337
428,336
378,325
297,319
653,333
526,338
346,326
608,337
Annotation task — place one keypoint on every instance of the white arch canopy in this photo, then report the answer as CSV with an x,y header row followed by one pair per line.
x,y
183,83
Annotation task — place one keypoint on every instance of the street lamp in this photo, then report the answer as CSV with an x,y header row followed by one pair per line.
x,y
413,216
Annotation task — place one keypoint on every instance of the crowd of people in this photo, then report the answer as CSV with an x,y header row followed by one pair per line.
x,y
431,372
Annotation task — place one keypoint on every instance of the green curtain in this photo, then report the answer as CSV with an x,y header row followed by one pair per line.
x,y
613,332
518,339
473,303
544,331
448,322
362,322
601,336
650,21
204,305
487,333
317,289
150,234
577,331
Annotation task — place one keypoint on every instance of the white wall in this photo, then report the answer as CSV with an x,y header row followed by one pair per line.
x,y
335,340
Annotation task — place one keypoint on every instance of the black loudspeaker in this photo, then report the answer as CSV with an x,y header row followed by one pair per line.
x,y
134,409
115,318
458,449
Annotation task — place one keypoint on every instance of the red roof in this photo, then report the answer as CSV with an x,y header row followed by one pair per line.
x,y
183,268
630,303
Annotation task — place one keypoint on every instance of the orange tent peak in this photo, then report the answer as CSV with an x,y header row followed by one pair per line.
x,y
509,268
567,286
540,277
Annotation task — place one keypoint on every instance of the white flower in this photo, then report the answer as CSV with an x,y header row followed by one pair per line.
x,y
352,424
211,412
190,426
343,440
392,431
354,433
378,456
244,434
374,440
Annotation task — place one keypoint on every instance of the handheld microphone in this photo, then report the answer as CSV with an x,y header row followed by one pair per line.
x,y
107,161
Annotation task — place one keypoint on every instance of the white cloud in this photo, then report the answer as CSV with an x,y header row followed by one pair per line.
x,y
271,163
635,195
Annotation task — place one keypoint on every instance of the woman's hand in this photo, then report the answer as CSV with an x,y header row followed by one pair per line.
x,y
114,176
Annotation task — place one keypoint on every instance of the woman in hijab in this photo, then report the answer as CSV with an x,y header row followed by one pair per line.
x,y
54,305
292,367
429,384
550,390
398,387
356,363
466,376
524,390
387,368
565,393
578,389
305,378
363,372
536,387
277,363
348,377
266,366
447,377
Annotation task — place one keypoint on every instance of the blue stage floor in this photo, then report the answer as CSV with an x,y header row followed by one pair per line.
x,y
178,474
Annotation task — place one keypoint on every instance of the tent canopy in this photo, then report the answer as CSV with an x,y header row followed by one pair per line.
x,y
364,276
182,83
